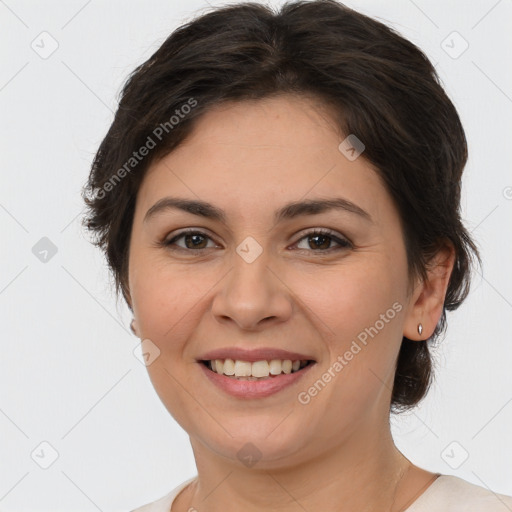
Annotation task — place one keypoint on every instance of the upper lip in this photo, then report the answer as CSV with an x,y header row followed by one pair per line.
x,y
252,355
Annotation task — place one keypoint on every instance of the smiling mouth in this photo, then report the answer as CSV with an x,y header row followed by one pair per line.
x,y
257,370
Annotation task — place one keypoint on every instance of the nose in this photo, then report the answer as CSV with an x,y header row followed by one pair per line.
x,y
252,296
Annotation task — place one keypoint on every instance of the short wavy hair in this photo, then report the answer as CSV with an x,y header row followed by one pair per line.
x,y
376,84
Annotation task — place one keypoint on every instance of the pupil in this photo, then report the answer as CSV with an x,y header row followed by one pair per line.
x,y
194,237
325,237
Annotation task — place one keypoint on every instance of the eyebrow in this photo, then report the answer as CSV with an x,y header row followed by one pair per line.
x,y
287,212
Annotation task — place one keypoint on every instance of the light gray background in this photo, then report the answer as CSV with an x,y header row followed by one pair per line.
x,y
68,374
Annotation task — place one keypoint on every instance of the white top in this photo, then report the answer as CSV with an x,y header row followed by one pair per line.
x,y
446,494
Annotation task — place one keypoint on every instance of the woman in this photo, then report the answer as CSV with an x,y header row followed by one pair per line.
x,y
279,201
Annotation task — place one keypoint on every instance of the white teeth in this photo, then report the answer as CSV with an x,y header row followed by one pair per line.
x,y
229,367
275,367
242,369
256,370
260,369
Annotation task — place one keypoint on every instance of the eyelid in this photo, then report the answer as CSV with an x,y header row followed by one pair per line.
x,y
342,241
166,242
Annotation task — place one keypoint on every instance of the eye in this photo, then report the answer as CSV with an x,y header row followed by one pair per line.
x,y
322,239
193,240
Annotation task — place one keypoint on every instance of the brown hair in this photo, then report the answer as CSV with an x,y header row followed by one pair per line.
x,y
380,86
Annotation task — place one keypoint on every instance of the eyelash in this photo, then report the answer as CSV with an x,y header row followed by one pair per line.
x,y
342,242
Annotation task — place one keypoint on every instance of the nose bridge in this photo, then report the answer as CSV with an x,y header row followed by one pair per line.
x,y
251,291
249,282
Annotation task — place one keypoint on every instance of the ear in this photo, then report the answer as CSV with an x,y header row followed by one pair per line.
x,y
125,290
126,294
427,299
134,327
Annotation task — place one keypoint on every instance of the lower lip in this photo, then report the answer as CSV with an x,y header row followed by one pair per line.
x,y
254,388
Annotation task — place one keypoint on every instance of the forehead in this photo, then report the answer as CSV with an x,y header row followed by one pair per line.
x,y
259,152
285,119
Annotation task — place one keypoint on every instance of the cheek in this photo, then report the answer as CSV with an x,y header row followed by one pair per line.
x,y
360,314
166,303
164,295
352,298
167,313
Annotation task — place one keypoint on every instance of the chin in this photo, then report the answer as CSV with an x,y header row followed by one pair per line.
x,y
256,444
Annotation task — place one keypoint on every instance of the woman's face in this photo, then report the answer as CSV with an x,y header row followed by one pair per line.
x,y
256,281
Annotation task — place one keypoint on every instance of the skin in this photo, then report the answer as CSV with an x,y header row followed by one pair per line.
x,y
249,159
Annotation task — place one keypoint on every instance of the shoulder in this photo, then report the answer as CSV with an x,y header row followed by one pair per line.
x,y
453,494
164,503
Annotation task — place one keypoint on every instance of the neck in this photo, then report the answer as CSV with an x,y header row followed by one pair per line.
x,y
362,474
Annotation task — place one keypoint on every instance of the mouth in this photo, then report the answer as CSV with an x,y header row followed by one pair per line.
x,y
263,369
254,373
